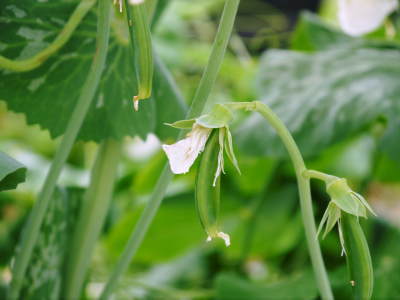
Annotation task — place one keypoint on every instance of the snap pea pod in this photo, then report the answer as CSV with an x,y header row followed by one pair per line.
x,y
140,36
358,257
207,195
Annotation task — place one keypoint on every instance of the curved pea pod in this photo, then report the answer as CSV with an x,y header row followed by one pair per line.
x,y
358,257
208,196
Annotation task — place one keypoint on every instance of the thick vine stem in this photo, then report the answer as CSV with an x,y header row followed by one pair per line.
x,y
198,104
31,63
304,191
92,216
32,227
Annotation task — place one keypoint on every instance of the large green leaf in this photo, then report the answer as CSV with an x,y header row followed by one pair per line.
x,y
48,94
301,286
323,97
175,230
11,172
276,229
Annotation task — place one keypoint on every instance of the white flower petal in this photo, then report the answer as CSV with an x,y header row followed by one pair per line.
x,y
183,153
358,17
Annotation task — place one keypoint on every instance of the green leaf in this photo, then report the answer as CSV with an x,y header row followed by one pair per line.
x,y
390,143
11,172
386,264
313,34
44,275
323,98
301,286
276,226
175,230
48,94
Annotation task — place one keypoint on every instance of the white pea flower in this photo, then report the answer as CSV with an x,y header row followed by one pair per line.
x,y
183,153
358,17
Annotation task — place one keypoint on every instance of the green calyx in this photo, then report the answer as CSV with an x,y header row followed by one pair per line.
x,y
220,116
343,200
346,199
330,218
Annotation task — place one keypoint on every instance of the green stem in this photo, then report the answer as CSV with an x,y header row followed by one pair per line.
x,y
92,216
63,37
32,227
217,55
304,191
198,104
319,175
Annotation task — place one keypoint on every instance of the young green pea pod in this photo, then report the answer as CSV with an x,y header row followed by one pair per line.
x,y
141,38
208,193
358,257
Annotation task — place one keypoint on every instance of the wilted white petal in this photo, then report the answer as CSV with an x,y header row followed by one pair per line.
x,y
183,153
358,17
223,236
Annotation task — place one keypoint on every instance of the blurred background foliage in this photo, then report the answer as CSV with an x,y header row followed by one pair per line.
x,y
268,258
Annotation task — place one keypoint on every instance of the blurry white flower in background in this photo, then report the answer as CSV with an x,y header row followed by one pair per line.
x,y
138,149
358,17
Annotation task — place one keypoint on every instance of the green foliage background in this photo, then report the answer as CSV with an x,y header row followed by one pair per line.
x,y
337,94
